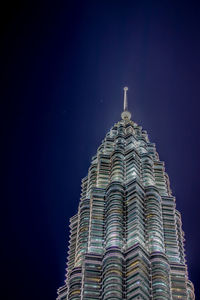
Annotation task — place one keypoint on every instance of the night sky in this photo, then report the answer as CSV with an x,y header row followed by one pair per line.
x,y
64,68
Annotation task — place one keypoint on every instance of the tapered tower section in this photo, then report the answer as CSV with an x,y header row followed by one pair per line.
x,y
126,240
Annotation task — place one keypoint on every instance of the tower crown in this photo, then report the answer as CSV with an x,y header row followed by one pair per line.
x,y
126,115
126,240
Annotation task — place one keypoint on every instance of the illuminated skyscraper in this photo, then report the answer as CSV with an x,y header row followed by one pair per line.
x,y
126,240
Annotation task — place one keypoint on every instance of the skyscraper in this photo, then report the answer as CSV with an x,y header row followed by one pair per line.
x,y
126,240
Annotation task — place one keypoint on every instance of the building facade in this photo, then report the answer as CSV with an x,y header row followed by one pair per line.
x,y
126,240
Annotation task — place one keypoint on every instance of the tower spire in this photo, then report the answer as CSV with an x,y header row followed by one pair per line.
x,y
126,115
125,98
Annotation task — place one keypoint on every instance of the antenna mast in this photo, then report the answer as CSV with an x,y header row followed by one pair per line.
x,y
125,99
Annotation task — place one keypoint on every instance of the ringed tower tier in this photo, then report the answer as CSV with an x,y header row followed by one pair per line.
x,y
126,241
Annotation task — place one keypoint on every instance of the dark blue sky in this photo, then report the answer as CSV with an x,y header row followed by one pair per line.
x,y
64,67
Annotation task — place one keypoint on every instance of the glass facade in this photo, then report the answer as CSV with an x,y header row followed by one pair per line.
x,y
126,240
